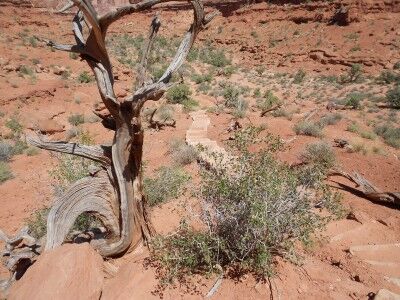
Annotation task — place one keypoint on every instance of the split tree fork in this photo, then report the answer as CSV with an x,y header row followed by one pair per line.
x,y
114,192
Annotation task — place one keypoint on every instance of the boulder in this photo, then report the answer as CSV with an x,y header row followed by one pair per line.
x,y
71,271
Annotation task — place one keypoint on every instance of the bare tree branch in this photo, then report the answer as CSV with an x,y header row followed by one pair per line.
x,y
155,25
99,154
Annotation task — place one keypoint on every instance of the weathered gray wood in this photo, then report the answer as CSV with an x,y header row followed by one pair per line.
x,y
115,193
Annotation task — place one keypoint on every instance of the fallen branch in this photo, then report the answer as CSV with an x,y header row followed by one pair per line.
x,y
264,112
369,190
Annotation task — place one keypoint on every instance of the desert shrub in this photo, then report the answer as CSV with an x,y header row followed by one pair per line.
x,y
181,94
299,76
214,57
167,184
76,119
252,209
357,147
32,151
267,101
319,158
281,112
320,154
6,151
353,127
396,66
19,147
15,126
330,119
200,78
388,77
85,77
354,100
393,96
5,172
233,100
37,223
354,74
182,154
308,128
391,135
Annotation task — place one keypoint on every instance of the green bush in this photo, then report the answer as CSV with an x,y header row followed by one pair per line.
x,y
233,100
393,96
308,128
200,78
32,151
167,184
299,76
15,126
181,93
353,100
354,74
37,223
391,135
85,77
267,101
19,147
319,158
5,172
388,77
76,119
253,210
214,57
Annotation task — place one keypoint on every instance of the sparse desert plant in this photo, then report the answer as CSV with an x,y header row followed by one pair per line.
x,y
76,119
331,119
319,154
37,223
267,101
168,183
15,126
308,128
32,151
358,147
19,147
233,100
214,57
5,172
393,96
85,77
396,66
6,151
388,77
353,100
182,154
299,76
354,74
181,94
282,112
390,134
252,211
200,78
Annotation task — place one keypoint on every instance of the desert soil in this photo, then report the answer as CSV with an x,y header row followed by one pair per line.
x,y
268,44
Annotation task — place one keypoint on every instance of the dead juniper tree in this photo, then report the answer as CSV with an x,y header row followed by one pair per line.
x,y
113,192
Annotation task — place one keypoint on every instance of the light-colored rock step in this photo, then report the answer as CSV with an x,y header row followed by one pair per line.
x,y
394,280
389,269
384,294
385,252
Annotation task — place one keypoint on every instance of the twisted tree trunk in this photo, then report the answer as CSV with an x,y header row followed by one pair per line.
x,y
114,192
